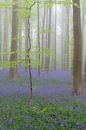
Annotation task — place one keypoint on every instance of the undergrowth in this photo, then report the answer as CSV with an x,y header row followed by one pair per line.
x,y
42,113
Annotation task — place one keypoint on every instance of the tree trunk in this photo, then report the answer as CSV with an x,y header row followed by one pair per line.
x,y
5,47
77,70
26,42
38,37
85,70
1,46
49,40
43,37
55,38
13,57
29,48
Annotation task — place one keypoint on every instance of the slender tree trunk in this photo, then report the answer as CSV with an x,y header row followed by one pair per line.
x,y
13,57
29,49
38,39
67,39
5,34
49,41
63,42
26,42
85,70
43,38
29,58
55,39
20,45
46,41
1,35
77,71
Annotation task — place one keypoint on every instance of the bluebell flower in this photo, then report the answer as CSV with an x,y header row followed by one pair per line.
x,y
79,108
23,126
64,123
78,123
12,113
8,121
30,117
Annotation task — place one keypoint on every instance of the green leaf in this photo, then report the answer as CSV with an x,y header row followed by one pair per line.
x,y
6,4
41,111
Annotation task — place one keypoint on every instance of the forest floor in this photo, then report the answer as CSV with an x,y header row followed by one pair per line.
x,y
52,106
48,84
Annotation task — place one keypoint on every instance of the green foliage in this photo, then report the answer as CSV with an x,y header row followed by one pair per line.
x,y
67,3
24,61
6,4
23,13
24,8
26,4
64,3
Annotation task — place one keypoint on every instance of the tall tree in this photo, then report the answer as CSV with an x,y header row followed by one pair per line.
x,y
67,39
85,70
14,38
47,64
30,45
77,70
55,39
38,37
5,33
1,57
43,36
26,40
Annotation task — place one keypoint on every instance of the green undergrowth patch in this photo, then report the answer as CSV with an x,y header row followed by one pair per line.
x,y
42,113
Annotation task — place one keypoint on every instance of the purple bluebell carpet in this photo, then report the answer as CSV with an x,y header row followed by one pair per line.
x,y
52,84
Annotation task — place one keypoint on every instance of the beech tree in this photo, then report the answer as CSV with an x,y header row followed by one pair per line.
x,y
38,37
14,38
77,65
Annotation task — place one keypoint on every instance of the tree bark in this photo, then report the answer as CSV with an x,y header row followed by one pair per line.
x,y
38,37
29,48
77,70
43,37
47,64
14,38
1,46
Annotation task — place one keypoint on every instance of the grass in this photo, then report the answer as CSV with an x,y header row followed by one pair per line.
x,y
42,113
